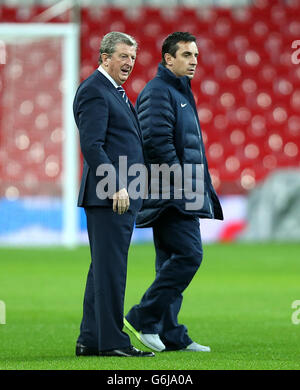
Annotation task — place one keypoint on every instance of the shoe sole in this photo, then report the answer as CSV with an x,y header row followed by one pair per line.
x,y
195,350
138,336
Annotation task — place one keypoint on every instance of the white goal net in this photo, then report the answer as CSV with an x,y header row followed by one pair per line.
x,y
38,137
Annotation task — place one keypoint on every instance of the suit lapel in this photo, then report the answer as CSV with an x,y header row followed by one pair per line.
x,y
130,111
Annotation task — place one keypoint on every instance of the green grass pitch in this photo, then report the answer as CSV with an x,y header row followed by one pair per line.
x,y
239,303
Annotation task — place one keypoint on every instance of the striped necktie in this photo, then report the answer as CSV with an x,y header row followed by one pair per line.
x,y
123,94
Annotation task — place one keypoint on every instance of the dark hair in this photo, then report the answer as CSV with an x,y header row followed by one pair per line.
x,y
170,43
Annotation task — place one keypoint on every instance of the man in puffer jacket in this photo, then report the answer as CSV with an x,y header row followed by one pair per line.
x,y
172,136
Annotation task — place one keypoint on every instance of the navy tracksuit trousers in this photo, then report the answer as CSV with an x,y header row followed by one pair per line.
x,y
178,246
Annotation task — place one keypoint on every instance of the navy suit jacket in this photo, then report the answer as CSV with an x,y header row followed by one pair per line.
x,y
108,128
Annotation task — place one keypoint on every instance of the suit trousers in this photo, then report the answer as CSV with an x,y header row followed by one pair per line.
x,y
103,307
179,253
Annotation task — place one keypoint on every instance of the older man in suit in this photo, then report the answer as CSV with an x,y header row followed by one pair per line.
x,y
108,128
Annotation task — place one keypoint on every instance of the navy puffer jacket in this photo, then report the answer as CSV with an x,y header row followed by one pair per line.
x,y
172,135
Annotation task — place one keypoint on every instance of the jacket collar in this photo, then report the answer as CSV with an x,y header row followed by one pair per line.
x,y
182,83
108,76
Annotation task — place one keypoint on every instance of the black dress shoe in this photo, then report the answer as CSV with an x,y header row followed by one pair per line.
x,y
82,350
126,352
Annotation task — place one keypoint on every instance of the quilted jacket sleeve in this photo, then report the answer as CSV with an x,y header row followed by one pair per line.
x,y
157,120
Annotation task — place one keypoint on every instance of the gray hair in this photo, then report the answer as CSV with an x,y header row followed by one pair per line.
x,y
110,40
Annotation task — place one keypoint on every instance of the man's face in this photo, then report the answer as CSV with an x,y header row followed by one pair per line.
x,y
120,64
185,62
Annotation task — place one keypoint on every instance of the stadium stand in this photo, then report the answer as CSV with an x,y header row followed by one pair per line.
x,y
246,87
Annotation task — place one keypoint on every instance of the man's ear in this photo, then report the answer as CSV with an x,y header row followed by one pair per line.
x,y
105,57
169,59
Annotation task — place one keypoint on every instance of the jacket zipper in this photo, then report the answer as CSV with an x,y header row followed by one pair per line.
x,y
201,152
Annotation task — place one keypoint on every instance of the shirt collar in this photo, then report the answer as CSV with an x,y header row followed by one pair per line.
x,y
103,71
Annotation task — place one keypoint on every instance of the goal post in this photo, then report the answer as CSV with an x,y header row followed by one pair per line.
x,y
68,34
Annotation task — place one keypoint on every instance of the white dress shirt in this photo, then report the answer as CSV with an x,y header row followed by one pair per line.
x,y
103,71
